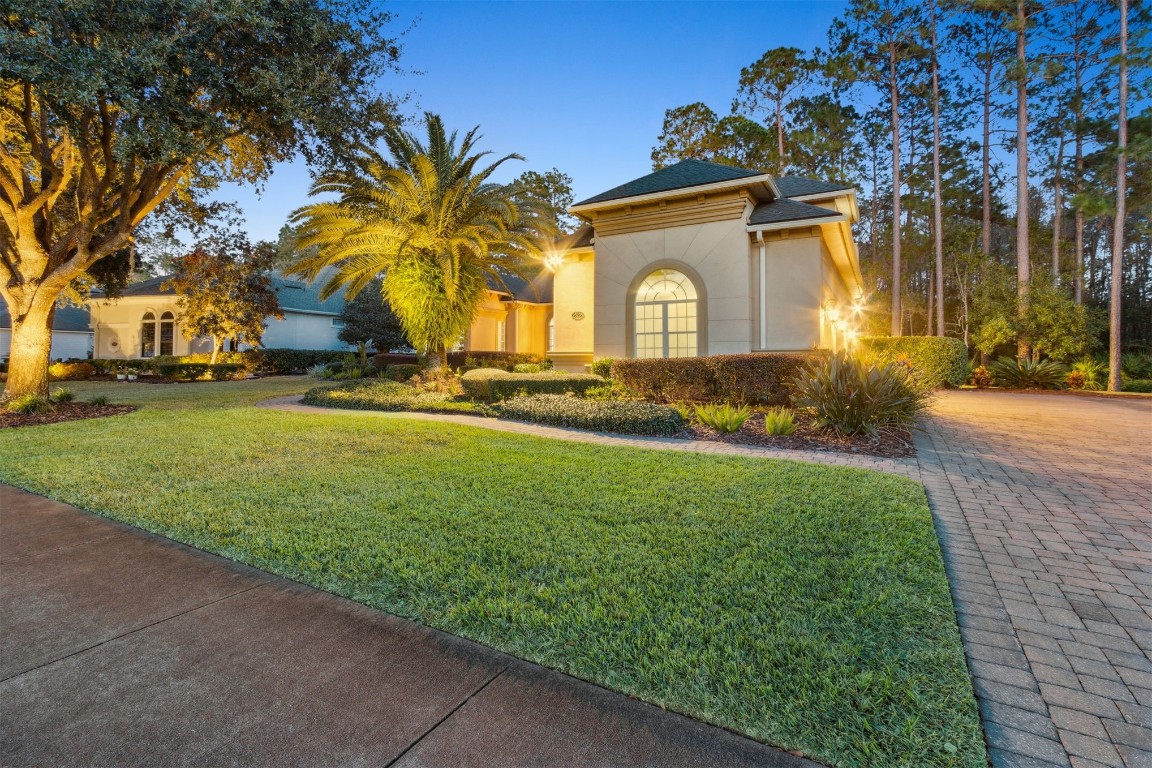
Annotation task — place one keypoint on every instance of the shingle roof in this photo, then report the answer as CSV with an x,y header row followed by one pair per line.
x,y
581,238
787,210
686,173
538,290
798,186
293,293
150,287
67,318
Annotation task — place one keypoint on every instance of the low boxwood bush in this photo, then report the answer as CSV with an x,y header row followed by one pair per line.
x,y
599,415
385,359
381,395
939,361
71,371
286,361
401,371
603,367
851,396
1016,373
752,379
505,361
494,384
194,371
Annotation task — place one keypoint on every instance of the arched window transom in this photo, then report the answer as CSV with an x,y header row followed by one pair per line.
x,y
148,335
666,315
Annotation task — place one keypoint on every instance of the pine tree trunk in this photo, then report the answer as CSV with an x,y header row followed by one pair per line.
x,y
1057,211
31,348
1114,310
986,168
1023,264
780,133
897,308
937,195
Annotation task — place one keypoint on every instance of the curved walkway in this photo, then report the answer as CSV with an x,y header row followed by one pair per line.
x,y
906,467
1043,504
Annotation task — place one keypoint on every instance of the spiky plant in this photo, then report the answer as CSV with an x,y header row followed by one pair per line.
x,y
428,219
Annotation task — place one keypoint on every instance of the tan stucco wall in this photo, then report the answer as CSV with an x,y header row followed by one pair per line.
x,y
481,337
793,290
528,328
574,305
118,320
717,251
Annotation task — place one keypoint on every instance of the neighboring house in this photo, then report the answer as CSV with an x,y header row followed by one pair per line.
x,y
695,259
145,321
71,334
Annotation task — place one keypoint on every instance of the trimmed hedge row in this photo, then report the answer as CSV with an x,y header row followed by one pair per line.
x,y
939,361
599,415
194,371
70,371
754,379
494,384
388,396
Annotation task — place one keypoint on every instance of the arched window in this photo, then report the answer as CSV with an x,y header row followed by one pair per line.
x,y
148,335
167,333
666,315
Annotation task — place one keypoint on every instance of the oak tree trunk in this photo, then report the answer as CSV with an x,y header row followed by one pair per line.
x,y
31,349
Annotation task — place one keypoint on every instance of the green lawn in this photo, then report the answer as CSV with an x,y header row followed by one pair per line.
x,y
805,606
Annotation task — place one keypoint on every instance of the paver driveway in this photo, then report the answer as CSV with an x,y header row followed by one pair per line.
x,y
1044,503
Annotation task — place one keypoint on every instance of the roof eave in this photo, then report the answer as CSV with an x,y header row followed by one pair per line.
x,y
792,224
699,189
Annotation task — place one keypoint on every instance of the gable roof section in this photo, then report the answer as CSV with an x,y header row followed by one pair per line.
x,y
800,186
293,294
686,173
784,210
67,318
538,290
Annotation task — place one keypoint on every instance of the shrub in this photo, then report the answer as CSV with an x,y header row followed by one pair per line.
x,y
603,367
61,395
401,371
29,404
1136,365
493,384
317,370
852,396
1075,380
505,361
602,416
98,400
724,417
939,361
753,379
1137,385
194,371
527,368
780,421
70,371
1024,373
385,359
1094,375
388,396
285,361
981,379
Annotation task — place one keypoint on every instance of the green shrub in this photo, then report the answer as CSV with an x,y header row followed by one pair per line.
x,y
286,361
61,395
29,404
602,416
603,367
493,384
981,378
780,421
1093,375
385,359
851,396
70,371
1015,373
317,370
939,361
98,400
194,371
1136,365
723,417
401,371
505,361
1137,385
527,368
753,379
380,395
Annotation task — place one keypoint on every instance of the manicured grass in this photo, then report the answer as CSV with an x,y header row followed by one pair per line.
x,y
805,606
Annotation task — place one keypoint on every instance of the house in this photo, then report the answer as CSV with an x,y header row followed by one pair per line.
x,y
694,259
145,321
71,334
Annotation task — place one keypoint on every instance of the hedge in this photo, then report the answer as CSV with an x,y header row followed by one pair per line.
x,y
599,415
194,371
70,371
939,360
388,396
753,379
504,360
385,359
494,384
401,371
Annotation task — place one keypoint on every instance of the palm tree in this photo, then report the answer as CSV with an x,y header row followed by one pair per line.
x,y
428,220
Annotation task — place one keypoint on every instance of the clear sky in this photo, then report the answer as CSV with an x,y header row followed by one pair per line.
x,y
580,86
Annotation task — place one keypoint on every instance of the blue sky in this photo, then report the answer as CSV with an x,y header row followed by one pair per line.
x,y
580,86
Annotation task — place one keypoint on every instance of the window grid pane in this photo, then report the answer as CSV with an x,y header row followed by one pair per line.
x,y
665,315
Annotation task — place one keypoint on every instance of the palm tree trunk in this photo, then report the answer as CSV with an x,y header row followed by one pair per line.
x,y
1114,309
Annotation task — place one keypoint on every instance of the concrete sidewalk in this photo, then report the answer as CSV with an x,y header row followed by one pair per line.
x,y
122,648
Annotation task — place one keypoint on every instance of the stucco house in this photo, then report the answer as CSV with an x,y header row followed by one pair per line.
x,y
694,259
144,321
71,334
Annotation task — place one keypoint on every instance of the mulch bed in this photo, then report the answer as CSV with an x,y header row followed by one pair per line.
x,y
888,444
62,412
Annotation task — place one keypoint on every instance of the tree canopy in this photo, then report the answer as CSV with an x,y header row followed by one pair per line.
x,y
368,319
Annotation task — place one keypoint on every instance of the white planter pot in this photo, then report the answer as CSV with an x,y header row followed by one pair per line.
x,y
121,377
131,377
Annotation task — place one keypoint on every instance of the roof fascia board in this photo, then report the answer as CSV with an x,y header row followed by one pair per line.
x,y
812,222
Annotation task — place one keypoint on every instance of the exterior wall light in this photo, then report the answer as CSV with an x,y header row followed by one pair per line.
x,y
553,261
